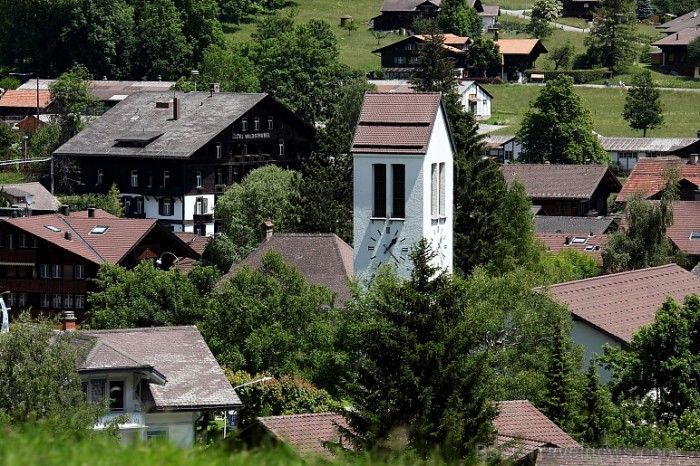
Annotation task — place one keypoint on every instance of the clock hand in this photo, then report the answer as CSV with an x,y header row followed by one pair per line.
x,y
393,242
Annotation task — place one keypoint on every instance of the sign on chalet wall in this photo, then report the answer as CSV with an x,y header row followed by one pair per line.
x,y
251,136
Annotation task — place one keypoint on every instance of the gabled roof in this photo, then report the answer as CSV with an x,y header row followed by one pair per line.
x,y
644,144
77,234
193,378
104,357
108,90
682,37
30,195
451,43
573,225
582,242
465,85
614,457
398,123
496,141
649,176
322,258
25,99
405,5
685,231
690,19
490,10
553,181
520,46
619,304
521,428
201,117
306,433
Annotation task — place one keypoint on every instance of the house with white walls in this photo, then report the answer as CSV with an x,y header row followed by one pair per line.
x,y
402,181
164,379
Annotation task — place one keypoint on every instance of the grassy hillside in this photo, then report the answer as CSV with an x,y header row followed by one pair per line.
x,y
681,116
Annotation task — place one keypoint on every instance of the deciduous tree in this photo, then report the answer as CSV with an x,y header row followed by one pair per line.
x,y
483,56
559,129
694,52
643,104
458,18
543,11
562,55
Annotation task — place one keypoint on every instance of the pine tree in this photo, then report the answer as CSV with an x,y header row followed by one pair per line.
x,y
644,9
597,409
613,40
561,402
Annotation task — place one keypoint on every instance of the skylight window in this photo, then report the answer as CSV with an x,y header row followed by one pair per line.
x,y
695,234
52,228
579,240
99,230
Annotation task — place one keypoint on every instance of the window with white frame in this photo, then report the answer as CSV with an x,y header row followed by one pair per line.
x,y
198,179
201,206
270,123
56,271
99,390
100,176
11,299
166,207
9,243
79,272
441,207
134,178
434,190
244,124
281,147
218,150
166,178
399,60
68,301
56,301
45,271
139,205
23,243
256,124
80,301
45,300
23,299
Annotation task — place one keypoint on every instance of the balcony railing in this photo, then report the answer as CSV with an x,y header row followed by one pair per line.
x,y
136,420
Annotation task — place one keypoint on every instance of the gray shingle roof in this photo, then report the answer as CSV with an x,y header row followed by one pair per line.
x,y
41,198
405,5
201,117
644,144
614,457
194,378
573,225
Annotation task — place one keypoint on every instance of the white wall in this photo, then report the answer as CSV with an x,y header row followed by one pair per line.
x,y
151,208
592,341
483,104
179,426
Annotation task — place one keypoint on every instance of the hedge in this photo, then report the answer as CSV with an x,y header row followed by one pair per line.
x,y
580,76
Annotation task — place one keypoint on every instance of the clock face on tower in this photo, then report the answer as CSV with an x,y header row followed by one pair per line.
x,y
386,246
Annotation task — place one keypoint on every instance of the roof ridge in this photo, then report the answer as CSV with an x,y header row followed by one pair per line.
x,y
617,274
83,240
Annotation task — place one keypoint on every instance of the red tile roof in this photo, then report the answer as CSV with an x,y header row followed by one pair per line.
x,y
521,420
520,46
583,242
613,457
75,233
553,181
686,220
648,175
396,123
306,433
619,304
25,99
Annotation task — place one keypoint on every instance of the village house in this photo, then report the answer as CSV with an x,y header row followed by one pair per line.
x,y
400,14
684,233
172,154
164,379
566,190
400,59
25,199
609,309
518,55
649,177
503,148
579,8
16,105
674,52
49,262
626,152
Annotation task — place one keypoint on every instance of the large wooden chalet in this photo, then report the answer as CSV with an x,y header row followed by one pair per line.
x,y
400,59
171,154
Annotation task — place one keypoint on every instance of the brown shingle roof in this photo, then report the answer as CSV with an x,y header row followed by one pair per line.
x,y
552,181
306,433
690,19
25,99
583,242
520,419
396,123
194,378
323,258
405,5
686,220
613,457
74,233
649,176
682,37
619,304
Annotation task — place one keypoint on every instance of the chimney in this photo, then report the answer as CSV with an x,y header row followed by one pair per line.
x,y
65,210
567,240
694,159
213,88
676,36
265,231
68,235
176,108
68,321
495,35
91,212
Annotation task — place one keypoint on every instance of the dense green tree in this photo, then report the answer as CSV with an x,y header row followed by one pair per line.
x,y
200,24
72,94
675,7
613,41
662,361
221,252
458,18
423,365
558,128
644,9
284,395
230,67
45,140
270,320
423,25
435,71
597,411
543,11
9,83
562,55
483,56
266,193
235,10
9,141
643,104
147,296
694,52
109,202
643,242
38,378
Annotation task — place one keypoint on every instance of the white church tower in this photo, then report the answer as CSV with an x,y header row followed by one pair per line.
x,y
403,181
